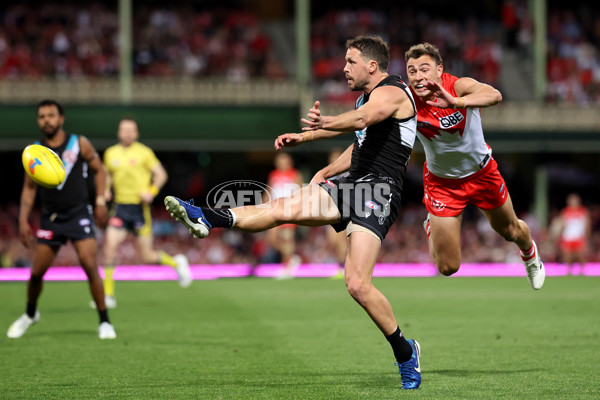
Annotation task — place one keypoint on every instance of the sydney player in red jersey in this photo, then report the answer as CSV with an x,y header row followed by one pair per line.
x,y
459,166
575,230
283,181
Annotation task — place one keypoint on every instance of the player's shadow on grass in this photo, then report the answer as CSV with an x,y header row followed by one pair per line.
x,y
471,372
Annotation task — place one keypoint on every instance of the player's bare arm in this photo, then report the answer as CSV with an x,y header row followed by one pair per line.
x,y
91,156
27,201
384,102
477,94
108,185
339,166
471,93
159,178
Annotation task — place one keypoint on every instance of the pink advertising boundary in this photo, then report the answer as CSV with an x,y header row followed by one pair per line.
x,y
211,272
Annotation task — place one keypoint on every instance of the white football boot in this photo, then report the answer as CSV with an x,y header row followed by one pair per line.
x,y
106,331
183,270
20,326
536,274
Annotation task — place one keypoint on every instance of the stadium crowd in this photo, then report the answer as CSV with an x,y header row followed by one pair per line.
x,y
75,41
470,46
82,40
406,242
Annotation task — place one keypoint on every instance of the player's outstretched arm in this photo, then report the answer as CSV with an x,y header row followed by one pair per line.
x,y
384,102
471,93
338,166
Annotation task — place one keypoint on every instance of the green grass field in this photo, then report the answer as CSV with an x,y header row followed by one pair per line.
x,y
484,338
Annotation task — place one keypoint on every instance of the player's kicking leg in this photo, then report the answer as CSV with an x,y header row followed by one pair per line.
x,y
309,206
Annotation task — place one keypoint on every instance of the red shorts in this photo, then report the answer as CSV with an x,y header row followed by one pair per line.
x,y
446,197
573,246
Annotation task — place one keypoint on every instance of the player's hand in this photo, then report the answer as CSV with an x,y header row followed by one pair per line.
x,y
25,234
101,215
313,119
318,178
147,197
288,140
443,99
108,195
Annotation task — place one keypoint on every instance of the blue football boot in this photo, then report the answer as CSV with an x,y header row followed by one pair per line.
x,y
189,215
410,371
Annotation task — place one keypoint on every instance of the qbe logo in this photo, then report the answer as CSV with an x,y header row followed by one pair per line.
x,y
451,120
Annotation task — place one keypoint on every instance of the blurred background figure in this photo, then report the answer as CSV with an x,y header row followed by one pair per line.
x,y
136,176
574,227
283,181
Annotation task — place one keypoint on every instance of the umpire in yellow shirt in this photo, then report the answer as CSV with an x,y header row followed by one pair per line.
x,y
136,176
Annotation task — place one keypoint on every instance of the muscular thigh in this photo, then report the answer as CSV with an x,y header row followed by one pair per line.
x,y
445,233
363,249
310,206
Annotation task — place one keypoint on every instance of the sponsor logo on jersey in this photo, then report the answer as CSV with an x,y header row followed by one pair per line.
x,y
69,156
361,136
451,120
372,205
44,234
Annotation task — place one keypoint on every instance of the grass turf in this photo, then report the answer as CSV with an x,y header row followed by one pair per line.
x,y
485,338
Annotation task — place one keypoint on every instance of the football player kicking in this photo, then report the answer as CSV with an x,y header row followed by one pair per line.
x,y
459,167
364,204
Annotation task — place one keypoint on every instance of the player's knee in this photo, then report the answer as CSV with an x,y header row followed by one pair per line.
x,y
358,289
448,268
509,233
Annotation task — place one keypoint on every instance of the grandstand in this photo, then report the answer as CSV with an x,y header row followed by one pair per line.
x,y
193,65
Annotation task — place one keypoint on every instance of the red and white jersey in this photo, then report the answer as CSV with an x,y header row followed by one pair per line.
x,y
284,183
452,138
575,223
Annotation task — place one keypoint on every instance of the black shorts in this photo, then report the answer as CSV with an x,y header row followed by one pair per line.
x,y
372,202
127,216
74,224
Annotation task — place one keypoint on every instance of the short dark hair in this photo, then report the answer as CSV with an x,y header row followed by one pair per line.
x,y
424,49
373,48
48,102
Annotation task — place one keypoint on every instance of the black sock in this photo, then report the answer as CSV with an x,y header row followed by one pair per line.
x,y
31,309
103,316
218,218
401,348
